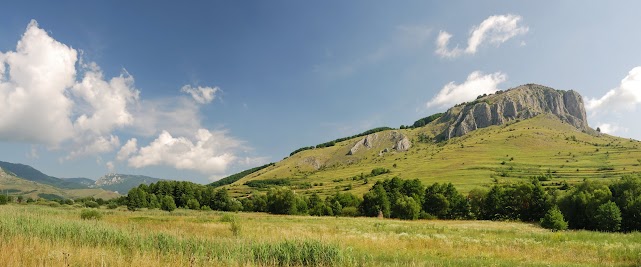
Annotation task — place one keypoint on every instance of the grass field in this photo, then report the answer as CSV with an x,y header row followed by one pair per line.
x,y
35,235
516,151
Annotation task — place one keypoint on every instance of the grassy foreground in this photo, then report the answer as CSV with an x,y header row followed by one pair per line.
x,y
34,235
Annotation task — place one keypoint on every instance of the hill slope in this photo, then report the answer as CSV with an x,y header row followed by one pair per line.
x,y
545,135
29,173
12,185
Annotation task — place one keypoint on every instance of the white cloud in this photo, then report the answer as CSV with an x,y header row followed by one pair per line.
x,y
40,97
624,97
475,85
493,30
210,153
39,72
95,145
178,116
202,95
105,103
612,129
110,166
129,148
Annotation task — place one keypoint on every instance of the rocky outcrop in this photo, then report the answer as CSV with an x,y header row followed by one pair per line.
x,y
367,142
403,145
394,139
522,102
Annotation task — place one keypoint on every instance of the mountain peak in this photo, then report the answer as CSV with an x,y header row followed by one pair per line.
x,y
522,102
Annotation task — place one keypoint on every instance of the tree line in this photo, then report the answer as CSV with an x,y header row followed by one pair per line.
x,y
589,205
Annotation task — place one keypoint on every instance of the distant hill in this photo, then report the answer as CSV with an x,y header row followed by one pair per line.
x,y
531,131
29,173
81,180
13,185
122,183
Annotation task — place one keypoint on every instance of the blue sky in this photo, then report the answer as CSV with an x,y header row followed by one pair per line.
x,y
207,89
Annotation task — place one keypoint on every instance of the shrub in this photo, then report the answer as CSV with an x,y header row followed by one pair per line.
x,y
349,212
3,199
112,205
90,214
91,204
235,227
406,208
554,220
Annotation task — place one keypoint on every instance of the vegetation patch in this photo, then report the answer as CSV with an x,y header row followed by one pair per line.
x,y
268,183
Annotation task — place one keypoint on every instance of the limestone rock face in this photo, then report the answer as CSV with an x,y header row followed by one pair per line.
x,y
403,145
387,141
367,142
522,102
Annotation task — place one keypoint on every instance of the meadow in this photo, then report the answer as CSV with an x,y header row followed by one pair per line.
x,y
40,235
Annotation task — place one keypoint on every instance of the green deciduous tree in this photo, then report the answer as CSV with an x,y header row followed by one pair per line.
x,y
554,220
168,203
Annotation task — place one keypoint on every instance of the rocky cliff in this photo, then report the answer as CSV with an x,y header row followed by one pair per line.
x,y
522,102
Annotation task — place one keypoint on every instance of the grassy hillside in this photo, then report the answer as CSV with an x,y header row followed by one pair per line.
x,y
543,146
17,186
39,235
29,173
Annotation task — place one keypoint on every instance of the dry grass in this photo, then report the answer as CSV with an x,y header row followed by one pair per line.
x,y
46,236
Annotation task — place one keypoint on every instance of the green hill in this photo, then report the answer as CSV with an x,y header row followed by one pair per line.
x,y
13,185
527,132
29,173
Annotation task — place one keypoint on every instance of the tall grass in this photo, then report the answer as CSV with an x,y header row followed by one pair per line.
x,y
99,234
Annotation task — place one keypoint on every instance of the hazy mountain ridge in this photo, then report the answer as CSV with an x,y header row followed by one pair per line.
x,y
122,183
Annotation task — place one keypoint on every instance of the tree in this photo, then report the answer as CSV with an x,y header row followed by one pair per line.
x,y
608,217
437,205
281,201
168,203
406,208
375,201
598,129
193,204
580,204
626,193
554,220
3,199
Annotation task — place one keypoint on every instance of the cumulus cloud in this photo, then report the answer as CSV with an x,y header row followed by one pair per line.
x,y
210,152
202,95
493,30
39,73
178,116
129,148
624,97
95,145
612,129
110,166
475,85
105,102
44,104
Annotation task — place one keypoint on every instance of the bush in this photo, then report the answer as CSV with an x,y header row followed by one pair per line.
x,y
91,204
406,208
90,214
235,227
112,205
349,212
554,220
3,199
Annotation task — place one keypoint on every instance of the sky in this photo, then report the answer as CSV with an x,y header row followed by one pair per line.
x,y
198,90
